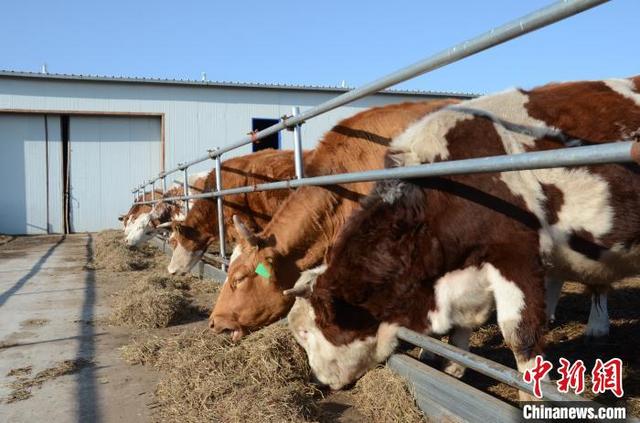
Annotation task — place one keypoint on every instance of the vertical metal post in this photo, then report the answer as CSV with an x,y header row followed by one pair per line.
x,y
186,189
153,189
297,146
164,184
219,201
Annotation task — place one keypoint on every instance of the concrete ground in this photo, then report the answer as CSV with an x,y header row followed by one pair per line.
x,y
50,312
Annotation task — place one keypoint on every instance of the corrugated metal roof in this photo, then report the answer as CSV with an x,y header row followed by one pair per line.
x,y
218,84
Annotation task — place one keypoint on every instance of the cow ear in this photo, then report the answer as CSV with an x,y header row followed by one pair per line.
x,y
304,286
245,232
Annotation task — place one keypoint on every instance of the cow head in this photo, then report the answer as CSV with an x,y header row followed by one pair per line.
x,y
147,225
251,296
336,364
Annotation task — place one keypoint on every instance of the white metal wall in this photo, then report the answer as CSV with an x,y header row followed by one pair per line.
x,y
196,117
108,155
23,172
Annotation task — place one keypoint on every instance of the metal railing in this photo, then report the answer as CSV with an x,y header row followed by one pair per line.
x,y
518,27
618,152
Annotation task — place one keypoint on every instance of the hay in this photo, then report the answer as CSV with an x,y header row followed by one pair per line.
x,y
111,253
5,239
34,322
382,396
21,388
20,372
265,377
152,302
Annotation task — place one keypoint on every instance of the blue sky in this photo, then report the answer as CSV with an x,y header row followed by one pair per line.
x,y
321,43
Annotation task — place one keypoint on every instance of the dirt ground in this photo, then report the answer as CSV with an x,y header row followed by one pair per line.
x,y
58,362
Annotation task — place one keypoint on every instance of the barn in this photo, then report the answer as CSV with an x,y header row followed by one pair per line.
x,y
73,146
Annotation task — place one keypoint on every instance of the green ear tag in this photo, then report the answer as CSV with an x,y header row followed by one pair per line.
x,y
262,270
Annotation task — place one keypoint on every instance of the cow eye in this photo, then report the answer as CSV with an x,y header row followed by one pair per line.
x,y
239,279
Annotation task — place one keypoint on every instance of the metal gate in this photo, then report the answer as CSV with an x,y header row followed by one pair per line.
x,y
30,171
107,154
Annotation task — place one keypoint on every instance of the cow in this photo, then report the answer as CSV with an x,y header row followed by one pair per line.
x,y
299,234
136,209
437,255
191,237
146,223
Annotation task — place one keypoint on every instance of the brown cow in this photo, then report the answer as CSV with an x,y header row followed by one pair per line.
x,y
436,255
145,221
303,228
136,210
191,237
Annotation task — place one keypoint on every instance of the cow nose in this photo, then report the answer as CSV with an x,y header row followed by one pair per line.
x,y
212,323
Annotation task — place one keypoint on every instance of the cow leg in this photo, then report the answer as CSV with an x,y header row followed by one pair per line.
x,y
598,325
460,338
518,289
553,289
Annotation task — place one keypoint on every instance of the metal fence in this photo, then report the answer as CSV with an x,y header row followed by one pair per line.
x,y
618,152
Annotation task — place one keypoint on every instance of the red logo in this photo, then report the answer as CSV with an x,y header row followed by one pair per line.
x,y
534,375
571,376
605,376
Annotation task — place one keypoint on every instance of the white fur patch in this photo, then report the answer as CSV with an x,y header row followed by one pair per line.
x,y
183,260
425,140
139,230
509,304
337,366
626,88
463,299
237,251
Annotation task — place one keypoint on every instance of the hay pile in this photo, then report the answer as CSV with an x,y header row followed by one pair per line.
x,y
265,377
112,254
157,301
382,396
21,388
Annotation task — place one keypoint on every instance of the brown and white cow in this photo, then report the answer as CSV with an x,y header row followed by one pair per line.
x,y
300,232
148,222
199,229
437,255
136,210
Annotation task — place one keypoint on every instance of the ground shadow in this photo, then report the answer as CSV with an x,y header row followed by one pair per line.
x,y
32,272
86,384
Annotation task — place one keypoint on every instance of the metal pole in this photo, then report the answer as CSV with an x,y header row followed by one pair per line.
x,y
164,184
480,364
297,146
153,189
523,25
219,200
614,152
186,189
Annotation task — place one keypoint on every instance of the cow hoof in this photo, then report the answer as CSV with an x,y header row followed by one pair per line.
x,y
596,335
454,369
